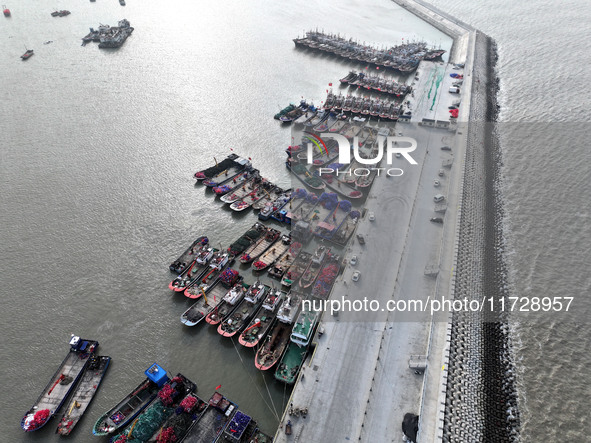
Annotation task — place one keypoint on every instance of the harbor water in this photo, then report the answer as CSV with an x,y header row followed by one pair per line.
x,y
99,148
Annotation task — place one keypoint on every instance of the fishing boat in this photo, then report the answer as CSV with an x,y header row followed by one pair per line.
x,y
313,269
61,384
326,278
273,253
217,265
226,305
284,262
247,239
260,246
242,190
271,192
292,115
236,183
278,338
206,304
332,222
276,205
319,117
249,200
228,174
188,256
284,111
239,429
244,311
61,13
127,409
191,275
284,202
189,412
28,54
302,211
214,420
349,77
296,270
217,168
263,320
307,115
326,124
291,363
302,174
303,328
84,393
151,419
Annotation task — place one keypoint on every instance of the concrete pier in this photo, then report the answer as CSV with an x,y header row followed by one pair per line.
x,y
359,383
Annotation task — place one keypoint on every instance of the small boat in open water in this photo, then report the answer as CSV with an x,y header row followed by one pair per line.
x,y
127,409
84,393
28,54
61,384
6,11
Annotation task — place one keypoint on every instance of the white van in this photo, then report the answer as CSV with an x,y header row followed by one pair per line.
x,y
438,198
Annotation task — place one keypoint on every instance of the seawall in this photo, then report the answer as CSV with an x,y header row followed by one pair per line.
x,y
477,400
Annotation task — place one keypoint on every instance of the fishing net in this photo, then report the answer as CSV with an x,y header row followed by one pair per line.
x,y
336,166
345,205
300,193
355,214
311,198
325,280
39,419
229,277
238,424
330,205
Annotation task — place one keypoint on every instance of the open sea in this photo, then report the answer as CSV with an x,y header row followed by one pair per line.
x,y
98,148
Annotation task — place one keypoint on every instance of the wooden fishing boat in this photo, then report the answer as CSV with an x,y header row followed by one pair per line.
x,y
151,419
349,77
302,174
84,393
239,166
319,117
260,246
278,338
61,384
313,269
326,278
291,363
277,204
263,320
307,115
177,426
217,168
248,200
188,256
248,238
273,253
284,262
206,304
236,183
226,305
130,407
244,311
271,192
217,265
297,269
283,202
214,420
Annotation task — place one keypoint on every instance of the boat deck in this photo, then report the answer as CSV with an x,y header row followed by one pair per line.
x,y
84,393
209,427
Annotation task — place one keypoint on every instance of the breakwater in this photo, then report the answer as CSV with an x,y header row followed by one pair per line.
x,y
481,398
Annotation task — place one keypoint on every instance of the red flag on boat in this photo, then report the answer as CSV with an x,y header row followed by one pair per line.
x,y
330,84
249,158
218,386
377,67
231,149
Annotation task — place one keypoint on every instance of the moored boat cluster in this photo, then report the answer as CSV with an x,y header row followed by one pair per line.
x,y
404,58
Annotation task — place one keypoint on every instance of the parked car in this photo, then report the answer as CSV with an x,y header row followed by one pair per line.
x,y
441,172
371,216
360,239
445,148
353,260
438,198
436,183
356,276
436,220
